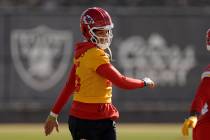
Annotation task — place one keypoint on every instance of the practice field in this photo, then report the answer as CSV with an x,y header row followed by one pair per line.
x,y
125,132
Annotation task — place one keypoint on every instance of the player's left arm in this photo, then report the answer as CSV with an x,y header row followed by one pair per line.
x,y
98,61
109,72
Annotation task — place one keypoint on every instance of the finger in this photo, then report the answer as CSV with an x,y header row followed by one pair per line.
x,y
185,129
46,127
184,132
57,128
49,128
152,85
155,85
48,132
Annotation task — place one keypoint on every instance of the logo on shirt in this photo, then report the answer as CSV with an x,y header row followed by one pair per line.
x,y
41,55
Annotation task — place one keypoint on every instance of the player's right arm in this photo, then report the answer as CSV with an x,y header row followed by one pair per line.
x,y
51,121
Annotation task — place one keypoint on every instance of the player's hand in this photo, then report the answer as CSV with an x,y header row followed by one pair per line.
x,y
50,123
189,123
149,82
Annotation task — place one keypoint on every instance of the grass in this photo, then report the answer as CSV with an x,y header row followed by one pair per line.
x,y
124,132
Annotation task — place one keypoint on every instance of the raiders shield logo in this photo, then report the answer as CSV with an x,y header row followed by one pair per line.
x,y
41,55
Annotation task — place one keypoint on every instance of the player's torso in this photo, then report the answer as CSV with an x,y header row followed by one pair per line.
x,y
90,87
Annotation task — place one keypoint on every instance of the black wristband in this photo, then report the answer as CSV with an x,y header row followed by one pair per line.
x,y
195,113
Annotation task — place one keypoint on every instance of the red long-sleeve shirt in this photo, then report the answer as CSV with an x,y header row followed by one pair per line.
x,y
202,94
94,110
108,71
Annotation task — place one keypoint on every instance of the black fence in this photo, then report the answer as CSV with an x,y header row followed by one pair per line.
x,y
166,44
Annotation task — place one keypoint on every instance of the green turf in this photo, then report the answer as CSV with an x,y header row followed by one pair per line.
x,y
124,132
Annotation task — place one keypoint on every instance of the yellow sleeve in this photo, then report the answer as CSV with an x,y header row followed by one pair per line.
x,y
96,57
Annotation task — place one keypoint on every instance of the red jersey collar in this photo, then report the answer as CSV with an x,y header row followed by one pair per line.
x,y
82,47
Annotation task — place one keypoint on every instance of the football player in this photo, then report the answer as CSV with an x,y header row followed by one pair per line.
x,y
200,123
92,115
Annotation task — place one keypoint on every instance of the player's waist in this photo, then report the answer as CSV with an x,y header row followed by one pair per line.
x,y
94,111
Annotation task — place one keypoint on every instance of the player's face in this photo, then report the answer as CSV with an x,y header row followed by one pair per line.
x,y
103,35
